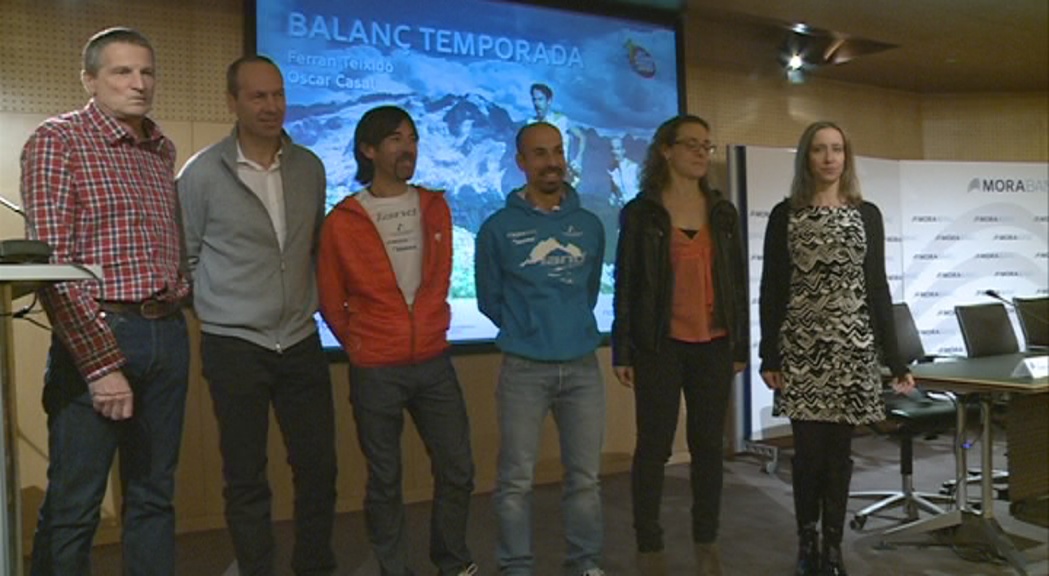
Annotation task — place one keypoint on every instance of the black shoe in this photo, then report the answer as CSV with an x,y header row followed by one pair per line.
x,y
808,552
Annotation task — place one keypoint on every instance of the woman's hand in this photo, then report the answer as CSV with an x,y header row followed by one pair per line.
x,y
625,375
773,379
738,367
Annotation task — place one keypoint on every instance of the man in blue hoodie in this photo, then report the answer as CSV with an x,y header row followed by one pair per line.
x,y
538,271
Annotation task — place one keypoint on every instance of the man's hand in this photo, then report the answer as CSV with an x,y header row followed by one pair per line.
x,y
625,375
111,396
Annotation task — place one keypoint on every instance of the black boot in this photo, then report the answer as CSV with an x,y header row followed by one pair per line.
x,y
808,563
806,483
835,504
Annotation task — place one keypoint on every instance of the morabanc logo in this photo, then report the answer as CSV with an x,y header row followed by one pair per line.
x,y
1008,185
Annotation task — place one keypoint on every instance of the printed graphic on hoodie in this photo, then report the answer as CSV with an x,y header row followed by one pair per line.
x,y
558,259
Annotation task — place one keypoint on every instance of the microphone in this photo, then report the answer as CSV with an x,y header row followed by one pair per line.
x,y
12,206
19,251
994,294
1025,312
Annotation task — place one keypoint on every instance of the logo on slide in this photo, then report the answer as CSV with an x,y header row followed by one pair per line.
x,y
641,60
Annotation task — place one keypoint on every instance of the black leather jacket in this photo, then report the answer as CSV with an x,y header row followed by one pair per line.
x,y
644,278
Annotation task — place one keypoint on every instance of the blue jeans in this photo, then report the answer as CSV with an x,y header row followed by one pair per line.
x,y
575,392
430,392
245,380
82,445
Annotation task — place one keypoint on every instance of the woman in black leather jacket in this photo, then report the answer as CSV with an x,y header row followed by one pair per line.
x,y
681,325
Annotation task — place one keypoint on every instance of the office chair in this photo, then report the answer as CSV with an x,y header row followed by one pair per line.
x,y
913,415
1034,320
986,330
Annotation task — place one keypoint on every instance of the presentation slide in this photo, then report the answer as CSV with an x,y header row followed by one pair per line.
x,y
471,73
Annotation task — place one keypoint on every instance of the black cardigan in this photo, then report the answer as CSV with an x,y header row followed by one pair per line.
x,y
775,287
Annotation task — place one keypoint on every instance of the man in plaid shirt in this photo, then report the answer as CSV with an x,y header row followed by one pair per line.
x,y
98,186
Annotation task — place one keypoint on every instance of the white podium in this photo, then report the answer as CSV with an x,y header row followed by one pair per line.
x,y
17,280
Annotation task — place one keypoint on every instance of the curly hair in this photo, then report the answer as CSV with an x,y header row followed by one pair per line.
x,y
655,174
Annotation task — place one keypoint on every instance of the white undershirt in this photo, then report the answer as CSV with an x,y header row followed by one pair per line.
x,y
267,184
399,222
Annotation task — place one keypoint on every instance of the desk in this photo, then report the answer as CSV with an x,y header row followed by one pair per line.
x,y
983,377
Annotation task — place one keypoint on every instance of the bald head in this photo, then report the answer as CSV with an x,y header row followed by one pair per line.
x,y
541,156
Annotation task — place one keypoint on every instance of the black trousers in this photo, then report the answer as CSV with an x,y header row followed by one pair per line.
x,y
245,379
703,372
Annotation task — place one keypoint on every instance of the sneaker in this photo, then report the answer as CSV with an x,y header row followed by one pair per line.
x,y
593,572
470,570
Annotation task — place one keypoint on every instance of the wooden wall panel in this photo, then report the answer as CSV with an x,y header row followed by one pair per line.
x,y
986,127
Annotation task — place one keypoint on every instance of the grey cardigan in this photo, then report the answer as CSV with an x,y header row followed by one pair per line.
x,y
244,286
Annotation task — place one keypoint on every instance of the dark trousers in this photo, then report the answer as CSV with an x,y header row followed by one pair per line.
x,y
821,473
245,379
704,373
430,393
82,444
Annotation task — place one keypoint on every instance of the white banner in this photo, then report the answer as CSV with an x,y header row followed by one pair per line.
x,y
971,227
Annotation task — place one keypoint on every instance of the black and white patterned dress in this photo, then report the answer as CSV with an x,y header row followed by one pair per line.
x,y
830,361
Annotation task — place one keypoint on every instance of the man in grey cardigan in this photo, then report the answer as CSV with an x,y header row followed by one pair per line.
x,y
252,207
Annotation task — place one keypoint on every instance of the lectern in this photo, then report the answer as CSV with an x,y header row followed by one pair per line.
x,y
18,280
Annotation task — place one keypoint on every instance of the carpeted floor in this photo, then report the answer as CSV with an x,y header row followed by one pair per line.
x,y
757,527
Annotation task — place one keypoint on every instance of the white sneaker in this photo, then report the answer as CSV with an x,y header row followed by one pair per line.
x,y
593,572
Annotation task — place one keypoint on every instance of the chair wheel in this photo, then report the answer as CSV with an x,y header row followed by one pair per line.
x,y
857,522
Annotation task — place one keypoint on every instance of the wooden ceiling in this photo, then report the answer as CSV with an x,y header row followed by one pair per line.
x,y
941,46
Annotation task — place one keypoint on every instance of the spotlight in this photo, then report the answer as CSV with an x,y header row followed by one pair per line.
x,y
795,68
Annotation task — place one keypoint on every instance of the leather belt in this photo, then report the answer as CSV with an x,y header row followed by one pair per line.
x,y
151,309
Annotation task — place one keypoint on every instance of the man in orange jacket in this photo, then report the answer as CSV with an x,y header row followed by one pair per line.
x,y
383,272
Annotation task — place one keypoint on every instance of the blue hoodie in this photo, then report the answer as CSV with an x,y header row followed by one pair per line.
x,y
538,274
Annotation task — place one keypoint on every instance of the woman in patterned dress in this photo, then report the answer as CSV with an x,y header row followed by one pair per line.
x,y
826,323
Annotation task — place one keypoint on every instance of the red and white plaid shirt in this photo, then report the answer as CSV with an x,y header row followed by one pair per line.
x,y
98,195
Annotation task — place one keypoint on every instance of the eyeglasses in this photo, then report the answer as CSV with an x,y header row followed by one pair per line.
x,y
694,145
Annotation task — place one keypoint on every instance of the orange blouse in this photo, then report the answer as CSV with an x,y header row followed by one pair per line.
x,y
692,312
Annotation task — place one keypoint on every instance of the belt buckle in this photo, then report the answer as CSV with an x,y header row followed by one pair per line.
x,y
153,309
